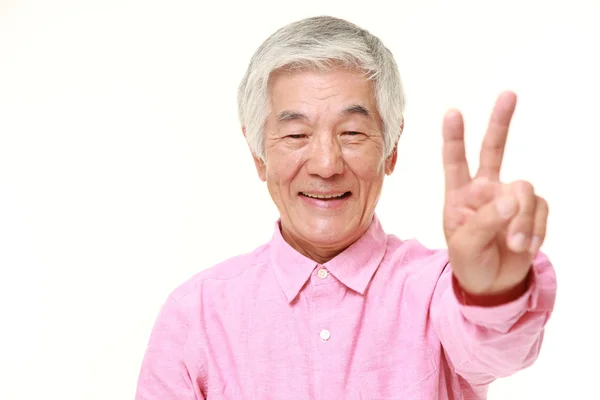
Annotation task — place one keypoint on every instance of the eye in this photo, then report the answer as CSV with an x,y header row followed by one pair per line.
x,y
353,133
297,136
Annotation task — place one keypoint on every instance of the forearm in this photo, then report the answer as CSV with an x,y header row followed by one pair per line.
x,y
488,341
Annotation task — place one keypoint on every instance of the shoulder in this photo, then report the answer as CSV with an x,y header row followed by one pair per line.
x,y
412,262
414,253
229,272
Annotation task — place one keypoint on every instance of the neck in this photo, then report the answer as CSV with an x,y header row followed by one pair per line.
x,y
320,253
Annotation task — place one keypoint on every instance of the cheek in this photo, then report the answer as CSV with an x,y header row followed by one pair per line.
x,y
366,168
282,169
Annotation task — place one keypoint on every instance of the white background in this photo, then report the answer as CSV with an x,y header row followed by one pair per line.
x,y
123,170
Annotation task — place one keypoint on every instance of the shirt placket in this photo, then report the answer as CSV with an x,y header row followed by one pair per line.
x,y
321,328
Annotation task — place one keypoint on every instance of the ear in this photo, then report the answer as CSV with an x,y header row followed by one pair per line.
x,y
390,161
261,168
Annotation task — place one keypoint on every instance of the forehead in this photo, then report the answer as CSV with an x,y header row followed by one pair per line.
x,y
317,92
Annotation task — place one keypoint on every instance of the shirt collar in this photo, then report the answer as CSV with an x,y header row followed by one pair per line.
x,y
354,267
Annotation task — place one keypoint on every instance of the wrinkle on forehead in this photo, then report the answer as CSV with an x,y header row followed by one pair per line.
x,y
319,91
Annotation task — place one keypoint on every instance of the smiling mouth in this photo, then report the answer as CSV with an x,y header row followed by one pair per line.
x,y
334,196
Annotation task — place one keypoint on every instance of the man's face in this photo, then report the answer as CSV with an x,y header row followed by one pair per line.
x,y
325,158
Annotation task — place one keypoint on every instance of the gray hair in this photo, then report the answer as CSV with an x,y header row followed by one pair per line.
x,y
321,43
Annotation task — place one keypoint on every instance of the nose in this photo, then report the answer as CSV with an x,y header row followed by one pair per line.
x,y
326,158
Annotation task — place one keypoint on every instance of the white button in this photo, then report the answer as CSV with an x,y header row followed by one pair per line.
x,y
322,273
325,334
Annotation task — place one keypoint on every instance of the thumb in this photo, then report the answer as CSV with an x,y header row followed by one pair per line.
x,y
485,224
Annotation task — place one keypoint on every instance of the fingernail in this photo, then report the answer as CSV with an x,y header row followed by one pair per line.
x,y
535,246
506,206
517,242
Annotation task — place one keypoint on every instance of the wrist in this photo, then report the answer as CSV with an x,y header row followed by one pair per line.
x,y
492,299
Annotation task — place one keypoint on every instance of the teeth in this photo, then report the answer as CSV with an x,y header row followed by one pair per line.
x,y
320,196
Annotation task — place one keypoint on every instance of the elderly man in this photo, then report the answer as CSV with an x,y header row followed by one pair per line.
x,y
332,307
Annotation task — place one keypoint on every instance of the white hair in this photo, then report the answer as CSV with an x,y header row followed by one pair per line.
x,y
320,43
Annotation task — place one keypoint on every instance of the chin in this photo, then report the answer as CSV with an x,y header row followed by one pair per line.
x,y
329,231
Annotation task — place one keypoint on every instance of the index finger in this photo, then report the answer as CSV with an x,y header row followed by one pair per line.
x,y
456,168
494,141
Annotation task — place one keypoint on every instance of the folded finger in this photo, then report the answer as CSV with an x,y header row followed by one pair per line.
x,y
520,229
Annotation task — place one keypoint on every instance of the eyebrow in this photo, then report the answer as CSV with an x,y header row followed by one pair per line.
x,y
356,109
287,115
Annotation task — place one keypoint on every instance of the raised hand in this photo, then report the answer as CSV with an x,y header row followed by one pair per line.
x,y
493,230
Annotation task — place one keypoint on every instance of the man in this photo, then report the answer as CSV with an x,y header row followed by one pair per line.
x,y
332,307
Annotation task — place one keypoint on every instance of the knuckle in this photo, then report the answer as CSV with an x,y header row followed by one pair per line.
x,y
542,204
524,187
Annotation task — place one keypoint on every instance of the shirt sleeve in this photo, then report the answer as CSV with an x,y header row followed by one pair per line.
x,y
164,374
485,343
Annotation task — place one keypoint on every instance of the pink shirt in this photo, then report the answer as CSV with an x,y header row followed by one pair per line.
x,y
382,320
